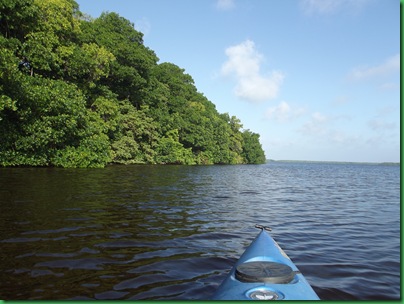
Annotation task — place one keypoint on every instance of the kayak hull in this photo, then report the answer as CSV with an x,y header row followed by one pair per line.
x,y
265,272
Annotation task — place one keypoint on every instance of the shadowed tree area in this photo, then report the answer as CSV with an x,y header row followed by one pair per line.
x,y
83,92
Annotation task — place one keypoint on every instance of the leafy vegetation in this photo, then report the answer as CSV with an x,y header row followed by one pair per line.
x,y
83,92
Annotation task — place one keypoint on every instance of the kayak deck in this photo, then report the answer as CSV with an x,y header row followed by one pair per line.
x,y
265,272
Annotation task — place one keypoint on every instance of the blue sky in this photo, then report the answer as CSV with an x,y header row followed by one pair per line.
x,y
317,79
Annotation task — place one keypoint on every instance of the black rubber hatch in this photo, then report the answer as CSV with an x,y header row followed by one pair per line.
x,y
267,272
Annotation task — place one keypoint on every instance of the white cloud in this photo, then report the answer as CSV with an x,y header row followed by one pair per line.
x,y
327,7
243,59
381,125
388,86
284,112
316,125
340,100
143,25
318,117
225,5
320,130
320,6
244,63
280,112
389,66
386,121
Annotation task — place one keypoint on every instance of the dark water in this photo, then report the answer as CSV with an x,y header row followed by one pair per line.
x,y
173,232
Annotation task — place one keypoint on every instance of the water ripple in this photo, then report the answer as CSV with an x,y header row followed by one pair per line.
x,y
173,233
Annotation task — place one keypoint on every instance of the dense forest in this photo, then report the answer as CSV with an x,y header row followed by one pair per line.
x,y
82,92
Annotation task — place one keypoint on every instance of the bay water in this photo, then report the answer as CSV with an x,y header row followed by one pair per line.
x,y
174,232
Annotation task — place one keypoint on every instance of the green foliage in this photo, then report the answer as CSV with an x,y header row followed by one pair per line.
x,y
129,73
252,150
58,17
136,137
55,30
97,95
171,151
93,152
17,18
51,120
87,63
8,77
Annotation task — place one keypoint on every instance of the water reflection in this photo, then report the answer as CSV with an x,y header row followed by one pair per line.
x,y
155,232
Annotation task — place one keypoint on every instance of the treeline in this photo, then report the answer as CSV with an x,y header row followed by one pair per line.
x,y
82,92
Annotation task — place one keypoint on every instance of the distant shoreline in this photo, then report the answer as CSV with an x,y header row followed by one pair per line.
x,y
332,162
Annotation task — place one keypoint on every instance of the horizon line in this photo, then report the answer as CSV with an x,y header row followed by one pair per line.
x,y
330,161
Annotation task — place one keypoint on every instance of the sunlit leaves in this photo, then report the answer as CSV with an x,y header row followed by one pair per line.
x,y
97,95
93,152
252,150
58,16
129,73
40,48
89,62
51,123
171,151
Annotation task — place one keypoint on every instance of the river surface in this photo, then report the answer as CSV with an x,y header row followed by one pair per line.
x,y
174,232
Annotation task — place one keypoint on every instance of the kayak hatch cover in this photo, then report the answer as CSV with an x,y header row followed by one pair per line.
x,y
265,272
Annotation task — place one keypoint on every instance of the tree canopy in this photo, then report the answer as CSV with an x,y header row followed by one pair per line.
x,y
82,92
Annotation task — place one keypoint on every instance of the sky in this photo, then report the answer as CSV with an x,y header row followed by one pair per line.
x,y
316,79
